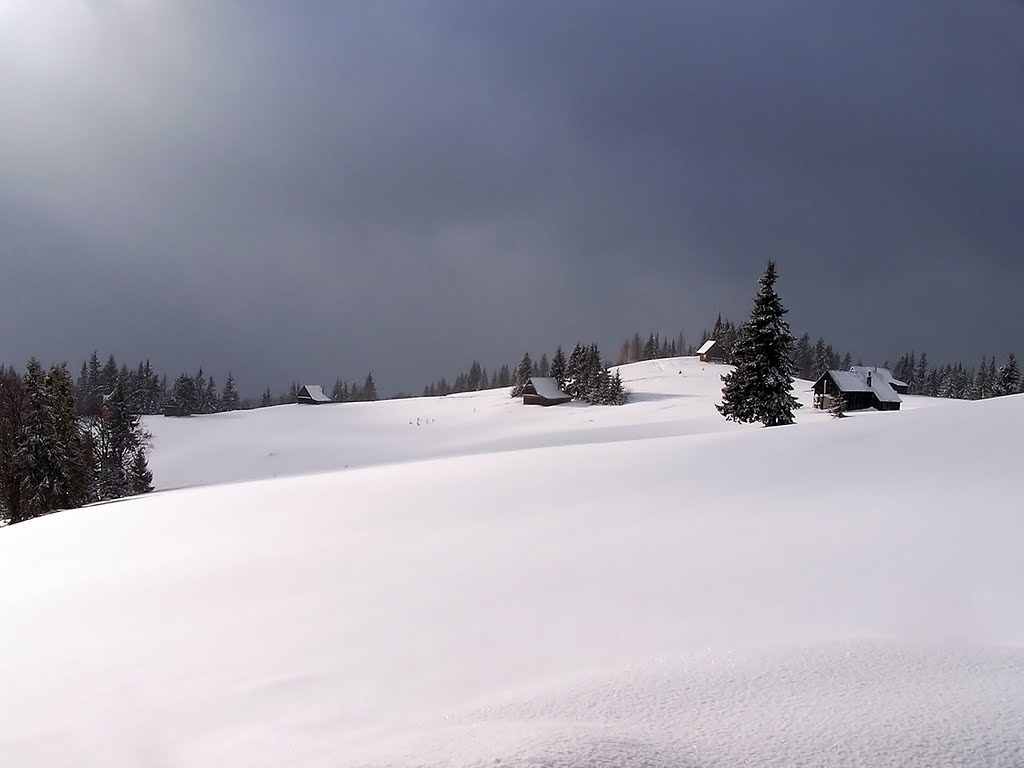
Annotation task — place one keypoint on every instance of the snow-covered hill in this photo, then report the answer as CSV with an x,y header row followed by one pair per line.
x,y
533,587
671,398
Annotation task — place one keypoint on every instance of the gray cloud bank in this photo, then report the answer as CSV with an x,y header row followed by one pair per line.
x,y
313,189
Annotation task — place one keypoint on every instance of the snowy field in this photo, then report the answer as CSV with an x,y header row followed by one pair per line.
x,y
500,585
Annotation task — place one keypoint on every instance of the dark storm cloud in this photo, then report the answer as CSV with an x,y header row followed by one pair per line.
x,y
316,189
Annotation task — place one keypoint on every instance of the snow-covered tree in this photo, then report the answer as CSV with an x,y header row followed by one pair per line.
x,y
760,388
12,413
557,371
820,362
1008,378
369,389
837,405
51,457
229,395
523,373
802,361
184,394
121,445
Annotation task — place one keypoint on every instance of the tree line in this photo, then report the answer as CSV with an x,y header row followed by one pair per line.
x,y
584,376
955,380
148,392
53,456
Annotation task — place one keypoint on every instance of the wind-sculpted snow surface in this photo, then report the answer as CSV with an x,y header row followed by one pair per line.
x,y
869,704
836,594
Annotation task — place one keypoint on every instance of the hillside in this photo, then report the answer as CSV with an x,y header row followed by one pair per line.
x,y
671,398
644,586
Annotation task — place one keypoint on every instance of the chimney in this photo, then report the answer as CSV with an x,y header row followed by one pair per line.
x,y
869,378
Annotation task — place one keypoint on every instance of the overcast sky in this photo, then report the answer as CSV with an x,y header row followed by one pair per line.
x,y
317,189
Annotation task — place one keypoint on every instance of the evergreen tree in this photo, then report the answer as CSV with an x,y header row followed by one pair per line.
x,y
504,377
1008,379
474,378
39,453
650,348
369,388
229,396
339,392
121,445
89,387
51,456
837,406
575,377
12,414
760,388
184,394
920,383
71,482
108,377
267,398
618,394
557,371
802,361
209,400
544,369
847,362
523,373
819,359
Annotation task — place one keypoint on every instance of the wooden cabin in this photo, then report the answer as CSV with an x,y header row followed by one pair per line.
x,y
859,392
543,391
312,394
173,408
711,352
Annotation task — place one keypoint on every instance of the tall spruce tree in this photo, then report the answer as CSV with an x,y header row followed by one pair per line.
x,y
1008,378
369,388
802,360
575,379
557,371
523,373
184,394
760,388
121,445
39,453
229,397
12,415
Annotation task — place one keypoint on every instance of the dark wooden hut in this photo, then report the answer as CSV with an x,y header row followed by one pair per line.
x,y
859,392
711,352
543,391
173,408
312,394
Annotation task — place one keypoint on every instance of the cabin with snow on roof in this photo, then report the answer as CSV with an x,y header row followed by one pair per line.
x,y
312,394
544,391
859,392
711,352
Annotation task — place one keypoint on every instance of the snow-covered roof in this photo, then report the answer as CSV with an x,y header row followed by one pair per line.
x,y
706,346
853,381
547,388
883,373
849,381
315,392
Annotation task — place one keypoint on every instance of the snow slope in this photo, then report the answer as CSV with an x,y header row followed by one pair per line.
x,y
839,593
670,398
